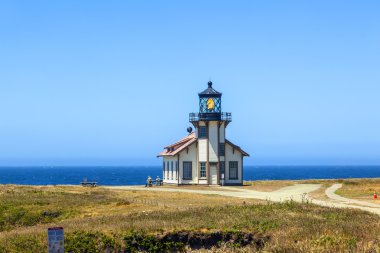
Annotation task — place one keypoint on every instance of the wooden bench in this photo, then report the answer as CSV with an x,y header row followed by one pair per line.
x,y
93,184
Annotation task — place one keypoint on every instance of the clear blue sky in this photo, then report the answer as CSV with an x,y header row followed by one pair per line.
x,y
112,82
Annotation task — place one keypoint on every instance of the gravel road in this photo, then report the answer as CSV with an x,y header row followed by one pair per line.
x,y
298,192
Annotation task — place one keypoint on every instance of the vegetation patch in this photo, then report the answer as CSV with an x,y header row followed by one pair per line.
x,y
11,217
81,241
22,243
361,189
177,241
182,240
336,243
102,220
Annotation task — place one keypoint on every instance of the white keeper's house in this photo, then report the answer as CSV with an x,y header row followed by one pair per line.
x,y
205,156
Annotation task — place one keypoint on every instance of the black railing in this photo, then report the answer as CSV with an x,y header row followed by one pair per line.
x,y
224,116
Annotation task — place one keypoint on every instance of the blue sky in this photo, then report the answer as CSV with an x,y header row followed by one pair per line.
x,y
112,82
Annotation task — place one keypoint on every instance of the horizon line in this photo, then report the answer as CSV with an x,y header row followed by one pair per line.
x,y
247,165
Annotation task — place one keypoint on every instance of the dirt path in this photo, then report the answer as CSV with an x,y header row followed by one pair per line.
x,y
298,192
339,201
336,200
330,192
295,192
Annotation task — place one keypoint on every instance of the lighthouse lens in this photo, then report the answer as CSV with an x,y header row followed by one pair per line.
x,y
210,104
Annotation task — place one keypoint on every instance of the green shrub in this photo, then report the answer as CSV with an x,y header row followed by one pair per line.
x,y
90,242
328,241
17,216
23,243
140,241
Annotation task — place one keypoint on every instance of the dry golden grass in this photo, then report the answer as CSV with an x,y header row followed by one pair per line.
x,y
360,189
320,193
267,185
22,209
292,227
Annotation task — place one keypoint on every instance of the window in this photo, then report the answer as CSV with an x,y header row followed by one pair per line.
x,y
176,169
233,170
221,149
167,170
203,170
222,169
187,170
172,171
163,170
202,132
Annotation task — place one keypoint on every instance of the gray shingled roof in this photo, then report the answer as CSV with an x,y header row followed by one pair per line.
x,y
210,90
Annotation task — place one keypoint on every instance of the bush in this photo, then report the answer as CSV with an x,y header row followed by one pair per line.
x,y
17,216
179,241
139,241
90,242
23,243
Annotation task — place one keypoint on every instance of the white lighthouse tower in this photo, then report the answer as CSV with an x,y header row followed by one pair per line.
x,y
205,156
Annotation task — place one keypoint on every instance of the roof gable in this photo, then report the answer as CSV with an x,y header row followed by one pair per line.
x,y
185,142
177,147
237,148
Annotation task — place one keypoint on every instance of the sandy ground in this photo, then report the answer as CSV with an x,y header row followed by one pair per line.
x,y
299,193
295,192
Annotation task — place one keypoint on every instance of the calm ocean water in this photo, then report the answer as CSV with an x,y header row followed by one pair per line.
x,y
133,175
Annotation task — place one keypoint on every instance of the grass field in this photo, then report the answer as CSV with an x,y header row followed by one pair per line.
x,y
267,185
102,220
361,189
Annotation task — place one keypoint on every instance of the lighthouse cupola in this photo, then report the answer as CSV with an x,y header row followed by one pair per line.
x,y
210,106
210,103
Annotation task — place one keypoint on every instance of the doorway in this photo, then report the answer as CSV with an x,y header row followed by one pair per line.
x,y
213,174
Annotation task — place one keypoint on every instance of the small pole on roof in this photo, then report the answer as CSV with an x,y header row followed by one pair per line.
x,y
209,84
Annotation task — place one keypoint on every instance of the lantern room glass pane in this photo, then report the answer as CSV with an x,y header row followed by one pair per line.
x,y
210,105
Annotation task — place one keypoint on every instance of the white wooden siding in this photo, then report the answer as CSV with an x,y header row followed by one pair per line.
x,y
197,152
222,131
189,155
233,157
167,175
202,149
213,141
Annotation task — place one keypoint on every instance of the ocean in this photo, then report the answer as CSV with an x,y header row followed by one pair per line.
x,y
136,175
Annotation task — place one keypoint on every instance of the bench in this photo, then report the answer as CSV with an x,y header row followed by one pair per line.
x,y
86,183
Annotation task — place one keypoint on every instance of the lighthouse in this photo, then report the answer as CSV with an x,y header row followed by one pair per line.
x,y
205,156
